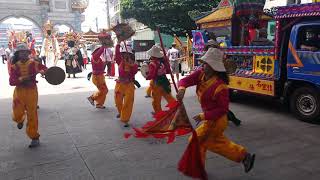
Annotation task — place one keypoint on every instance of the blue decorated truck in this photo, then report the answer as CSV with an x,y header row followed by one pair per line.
x,y
288,70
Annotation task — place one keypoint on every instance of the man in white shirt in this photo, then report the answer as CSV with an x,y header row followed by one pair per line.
x,y
107,56
174,55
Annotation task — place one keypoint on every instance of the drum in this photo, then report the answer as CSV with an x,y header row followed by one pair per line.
x,y
55,75
123,31
144,70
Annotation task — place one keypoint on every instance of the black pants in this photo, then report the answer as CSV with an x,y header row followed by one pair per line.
x,y
4,58
43,58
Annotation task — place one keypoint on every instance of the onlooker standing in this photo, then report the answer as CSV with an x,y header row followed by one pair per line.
x,y
3,54
174,56
9,54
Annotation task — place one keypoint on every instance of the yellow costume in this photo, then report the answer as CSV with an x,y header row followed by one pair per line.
x,y
124,99
149,89
25,96
100,96
124,90
25,101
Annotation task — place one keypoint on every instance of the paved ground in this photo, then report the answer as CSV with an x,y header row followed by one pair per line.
x,y
79,142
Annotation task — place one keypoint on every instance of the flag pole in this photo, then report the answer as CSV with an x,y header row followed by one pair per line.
x,y
166,60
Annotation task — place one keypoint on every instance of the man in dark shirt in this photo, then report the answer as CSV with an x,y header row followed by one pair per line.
x,y
262,40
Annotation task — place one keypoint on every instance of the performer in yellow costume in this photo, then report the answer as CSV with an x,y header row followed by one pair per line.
x,y
25,98
98,70
213,94
157,73
124,91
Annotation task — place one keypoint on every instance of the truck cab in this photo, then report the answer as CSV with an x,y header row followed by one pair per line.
x,y
289,70
303,70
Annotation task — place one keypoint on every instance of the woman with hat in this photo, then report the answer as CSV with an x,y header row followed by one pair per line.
x,y
98,70
213,94
25,97
124,90
157,73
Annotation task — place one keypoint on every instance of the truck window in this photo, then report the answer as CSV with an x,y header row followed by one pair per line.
x,y
308,38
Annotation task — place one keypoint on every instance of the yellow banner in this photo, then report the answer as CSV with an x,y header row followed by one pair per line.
x,y
257,86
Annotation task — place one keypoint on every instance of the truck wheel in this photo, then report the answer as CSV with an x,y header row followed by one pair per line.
x,y
305,104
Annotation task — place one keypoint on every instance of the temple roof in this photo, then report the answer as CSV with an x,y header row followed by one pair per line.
x,y
219,14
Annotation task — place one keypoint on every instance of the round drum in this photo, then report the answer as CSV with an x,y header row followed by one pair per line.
x,y
123,31
144,70
55,75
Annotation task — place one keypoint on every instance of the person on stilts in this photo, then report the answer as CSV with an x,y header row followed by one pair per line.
x,y
213,94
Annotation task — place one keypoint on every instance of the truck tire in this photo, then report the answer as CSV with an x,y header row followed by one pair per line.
x,y
305,104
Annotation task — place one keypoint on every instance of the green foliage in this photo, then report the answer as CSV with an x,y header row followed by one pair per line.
x,y
170,16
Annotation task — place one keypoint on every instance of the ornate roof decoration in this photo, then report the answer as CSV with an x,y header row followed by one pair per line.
x,y
301,10
79,5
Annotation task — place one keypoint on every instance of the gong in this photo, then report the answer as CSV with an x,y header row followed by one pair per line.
x,y
55,75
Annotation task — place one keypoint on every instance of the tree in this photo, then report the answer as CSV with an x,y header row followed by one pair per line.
x,y
170,16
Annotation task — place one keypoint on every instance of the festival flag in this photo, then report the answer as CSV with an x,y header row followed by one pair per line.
x,y
178,42
167,124
189,52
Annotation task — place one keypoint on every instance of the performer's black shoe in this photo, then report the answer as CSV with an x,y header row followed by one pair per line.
x,y
20,125
91,100
69,76
38,107
100,107
118,116
233,118
248,162
34,143
147,96
126,125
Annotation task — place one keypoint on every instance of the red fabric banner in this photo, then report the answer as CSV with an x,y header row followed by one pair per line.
x,y
169,124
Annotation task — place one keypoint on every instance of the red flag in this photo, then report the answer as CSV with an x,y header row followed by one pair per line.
x,y
167,124
190,163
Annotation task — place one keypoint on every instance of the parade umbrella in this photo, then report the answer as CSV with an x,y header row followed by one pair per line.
x,y
248,7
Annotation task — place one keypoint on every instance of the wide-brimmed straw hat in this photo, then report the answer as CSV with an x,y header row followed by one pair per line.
x,y
212,43
214,58
155,51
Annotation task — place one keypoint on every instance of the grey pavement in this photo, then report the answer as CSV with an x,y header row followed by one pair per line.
x,y
79,142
